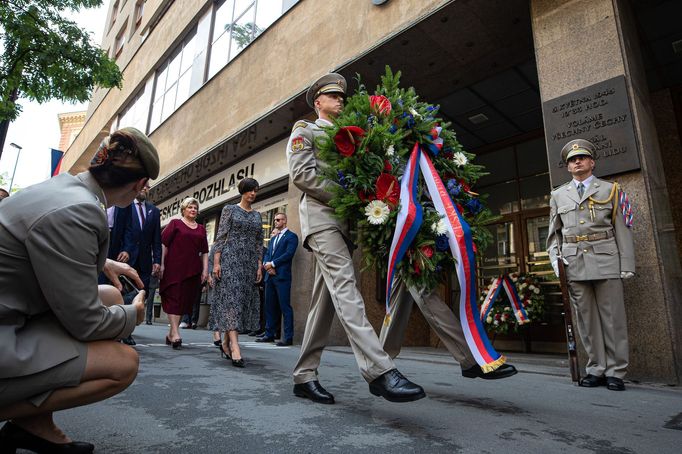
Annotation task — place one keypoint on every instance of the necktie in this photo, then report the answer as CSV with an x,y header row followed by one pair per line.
x,y
581,190
274,241
141,210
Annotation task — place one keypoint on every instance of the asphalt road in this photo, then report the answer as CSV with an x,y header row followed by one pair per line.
x,y
192,401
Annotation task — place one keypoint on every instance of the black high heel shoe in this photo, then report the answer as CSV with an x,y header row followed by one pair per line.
x,y
223,352
176,344
168,341
13,437
238,362
217,343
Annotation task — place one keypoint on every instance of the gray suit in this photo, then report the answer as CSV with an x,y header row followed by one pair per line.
x,y
597,251
53,243
334,288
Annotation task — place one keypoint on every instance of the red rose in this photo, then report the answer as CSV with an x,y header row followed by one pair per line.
x,y
460,208
380,104
417,270
347,139
427,251
366,197
388,188
387,166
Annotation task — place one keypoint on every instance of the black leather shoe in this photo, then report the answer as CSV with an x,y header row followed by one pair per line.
x,y
265,339
149,322
285,343
314,391
504,371
394,387
13,437
592,381
129,341
615,384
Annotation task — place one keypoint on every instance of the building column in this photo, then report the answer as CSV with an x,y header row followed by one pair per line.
x,y
579,43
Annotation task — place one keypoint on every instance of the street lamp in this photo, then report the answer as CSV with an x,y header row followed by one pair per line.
x,y
11,182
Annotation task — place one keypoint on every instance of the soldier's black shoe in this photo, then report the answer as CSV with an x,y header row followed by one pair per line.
x,y
13,437
615,384
314,391
129,341
265,339
592,381
475,371
394,387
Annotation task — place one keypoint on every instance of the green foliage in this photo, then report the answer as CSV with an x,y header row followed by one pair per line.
x,y
45,56
391,126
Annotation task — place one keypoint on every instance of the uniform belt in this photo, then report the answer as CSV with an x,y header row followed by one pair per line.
x,y
591,237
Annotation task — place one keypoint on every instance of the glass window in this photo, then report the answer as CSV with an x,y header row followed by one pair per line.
x,y
240,6
502,198
500,256
500,164
535,191
267,12
242,32
532,157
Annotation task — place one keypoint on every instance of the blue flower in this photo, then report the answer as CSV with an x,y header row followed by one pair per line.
x,y
410,120
400,102
342,179
474,206
393,129
454,188
431,108
370,120
442,243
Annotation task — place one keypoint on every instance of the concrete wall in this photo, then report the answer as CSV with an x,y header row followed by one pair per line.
x,y
568,36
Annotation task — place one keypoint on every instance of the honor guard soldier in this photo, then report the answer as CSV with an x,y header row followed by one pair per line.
x,y
334,287
590,229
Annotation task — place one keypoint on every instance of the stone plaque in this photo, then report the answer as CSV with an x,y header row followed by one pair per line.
x,y
599,113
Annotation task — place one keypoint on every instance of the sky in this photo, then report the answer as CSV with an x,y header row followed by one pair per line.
x,y
37,128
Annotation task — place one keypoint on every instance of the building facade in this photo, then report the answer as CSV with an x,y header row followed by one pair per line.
x,y
217,85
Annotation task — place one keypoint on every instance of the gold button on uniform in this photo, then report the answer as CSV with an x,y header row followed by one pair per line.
x,y
582,207
584,250
582,222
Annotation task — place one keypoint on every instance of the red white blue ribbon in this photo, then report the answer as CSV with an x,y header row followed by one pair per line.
x,y
408,221
510,289
462,248
625,208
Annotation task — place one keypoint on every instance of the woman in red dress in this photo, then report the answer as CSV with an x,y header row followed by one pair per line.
x,y
184,266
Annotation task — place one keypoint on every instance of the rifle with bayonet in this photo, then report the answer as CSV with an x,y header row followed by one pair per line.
x,y
568,319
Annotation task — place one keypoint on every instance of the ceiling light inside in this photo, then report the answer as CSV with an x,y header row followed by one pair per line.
x,y
478,119
677,46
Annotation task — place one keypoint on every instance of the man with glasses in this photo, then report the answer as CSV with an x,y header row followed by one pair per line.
x,y
277,265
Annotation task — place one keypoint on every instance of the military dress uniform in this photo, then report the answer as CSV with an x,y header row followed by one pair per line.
x,y
334,288
598,246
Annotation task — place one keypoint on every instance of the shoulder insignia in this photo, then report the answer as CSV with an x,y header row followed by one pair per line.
x,y
297,143
300,124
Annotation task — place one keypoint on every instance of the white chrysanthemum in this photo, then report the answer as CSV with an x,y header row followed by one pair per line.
x,y
460,159
390,151
377,212
507,308
439,228
496,323
489,320
531,287
536,291
415,113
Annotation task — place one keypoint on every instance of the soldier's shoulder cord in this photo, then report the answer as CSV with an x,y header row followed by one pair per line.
x,y
612,195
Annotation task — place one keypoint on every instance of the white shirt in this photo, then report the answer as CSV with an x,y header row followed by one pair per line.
x,y
139,204
110,216
586,182
278,237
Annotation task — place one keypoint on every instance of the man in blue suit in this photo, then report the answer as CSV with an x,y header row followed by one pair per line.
x,y
118,222
277,264
142,241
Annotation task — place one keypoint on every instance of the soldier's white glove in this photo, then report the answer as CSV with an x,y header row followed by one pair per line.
x,y
626,274
555,266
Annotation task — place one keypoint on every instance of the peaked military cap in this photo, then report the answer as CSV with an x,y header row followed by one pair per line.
x,y
577,147
329,83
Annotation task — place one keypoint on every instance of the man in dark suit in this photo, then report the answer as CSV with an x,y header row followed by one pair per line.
x,y
277,264
118,222
142,240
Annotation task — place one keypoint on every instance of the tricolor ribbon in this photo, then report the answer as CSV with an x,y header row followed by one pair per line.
x,y
408,221
510,289
625,207
461,245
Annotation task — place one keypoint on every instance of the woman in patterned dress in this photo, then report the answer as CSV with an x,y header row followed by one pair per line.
x,y
236,270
